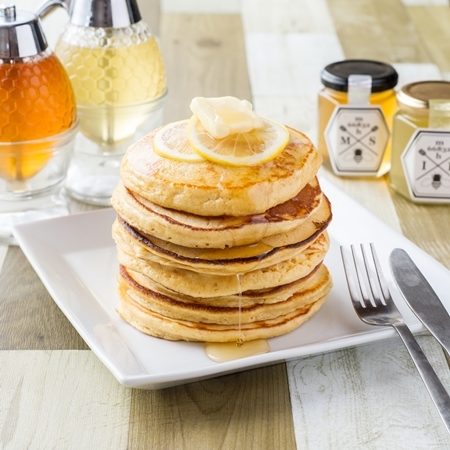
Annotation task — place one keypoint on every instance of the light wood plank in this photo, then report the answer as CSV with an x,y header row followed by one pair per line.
x,y
373,194
60,400
204,56
424,2
29,318
241,411
368,397
412,72
432,26
286,16
377,29
3,252
201,6
427,226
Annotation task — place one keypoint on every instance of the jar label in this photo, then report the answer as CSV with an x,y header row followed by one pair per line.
x,y
356,138
426,163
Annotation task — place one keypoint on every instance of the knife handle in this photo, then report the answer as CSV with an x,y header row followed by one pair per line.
x,y
433,384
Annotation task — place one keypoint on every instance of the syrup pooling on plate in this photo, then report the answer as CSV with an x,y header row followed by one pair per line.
x,y
228,351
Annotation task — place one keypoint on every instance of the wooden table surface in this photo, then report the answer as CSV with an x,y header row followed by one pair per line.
x,y
56,394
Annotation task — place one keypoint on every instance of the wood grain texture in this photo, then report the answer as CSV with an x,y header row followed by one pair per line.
x,y
373,194
427,226
241,411
431,23
204,56
60,400
29,318
388,407
377,29
287,16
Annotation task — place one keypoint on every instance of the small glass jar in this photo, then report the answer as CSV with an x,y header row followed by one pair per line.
x,y
421,142
356,108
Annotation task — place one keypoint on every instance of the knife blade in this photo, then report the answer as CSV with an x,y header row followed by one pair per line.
x,y
420,296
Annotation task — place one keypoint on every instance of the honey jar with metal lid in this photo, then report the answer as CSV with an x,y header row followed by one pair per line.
x,y
356,108
421,142
38,123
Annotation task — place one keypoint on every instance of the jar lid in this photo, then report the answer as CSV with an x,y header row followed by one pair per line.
x,y
335,75
415,97
21,33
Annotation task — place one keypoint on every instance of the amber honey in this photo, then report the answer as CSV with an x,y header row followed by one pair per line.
x,y
335,79
36,102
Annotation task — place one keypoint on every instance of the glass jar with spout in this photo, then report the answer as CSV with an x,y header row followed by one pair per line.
x,y
38,123
118,75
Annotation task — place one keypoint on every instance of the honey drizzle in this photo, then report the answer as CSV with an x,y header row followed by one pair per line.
x,y
228,351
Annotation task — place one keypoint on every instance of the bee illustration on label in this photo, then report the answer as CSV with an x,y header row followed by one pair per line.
x,y
358,155
436,180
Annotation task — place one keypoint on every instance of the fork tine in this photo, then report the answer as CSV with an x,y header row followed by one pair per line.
x,y
381,279
354,292
362,284
373,284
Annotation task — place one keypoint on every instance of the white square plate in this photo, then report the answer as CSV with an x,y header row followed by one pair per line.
x,y
75,257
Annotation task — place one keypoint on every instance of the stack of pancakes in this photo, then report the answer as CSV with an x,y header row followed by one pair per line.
x,y
221,254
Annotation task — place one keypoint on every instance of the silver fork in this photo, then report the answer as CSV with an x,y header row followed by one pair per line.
x,y
382,311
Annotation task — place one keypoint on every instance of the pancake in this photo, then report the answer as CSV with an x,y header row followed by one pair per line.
x,y
197,284
233,260
178,308
191,230
157,325
197,313
209,189
245,299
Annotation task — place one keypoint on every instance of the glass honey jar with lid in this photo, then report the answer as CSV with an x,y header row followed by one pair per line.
x,y
38,123
356,108
421,142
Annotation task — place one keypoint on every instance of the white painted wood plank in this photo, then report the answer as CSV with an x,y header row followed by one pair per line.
x,y
61,399
368,397
269,65
286,16
298,111
308,54
289,64
201,6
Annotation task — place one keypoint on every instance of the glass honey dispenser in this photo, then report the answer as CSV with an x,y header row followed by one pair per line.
x,y
356,108
421,142
38,123
118,75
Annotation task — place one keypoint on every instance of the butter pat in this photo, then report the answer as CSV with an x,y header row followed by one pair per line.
x,y
222,116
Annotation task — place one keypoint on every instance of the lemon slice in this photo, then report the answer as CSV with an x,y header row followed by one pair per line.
x,y
240,149
171,142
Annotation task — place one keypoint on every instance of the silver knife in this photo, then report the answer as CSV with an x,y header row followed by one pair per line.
x,y
420,297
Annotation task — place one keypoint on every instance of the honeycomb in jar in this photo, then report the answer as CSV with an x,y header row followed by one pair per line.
x,y
112,66
36,101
